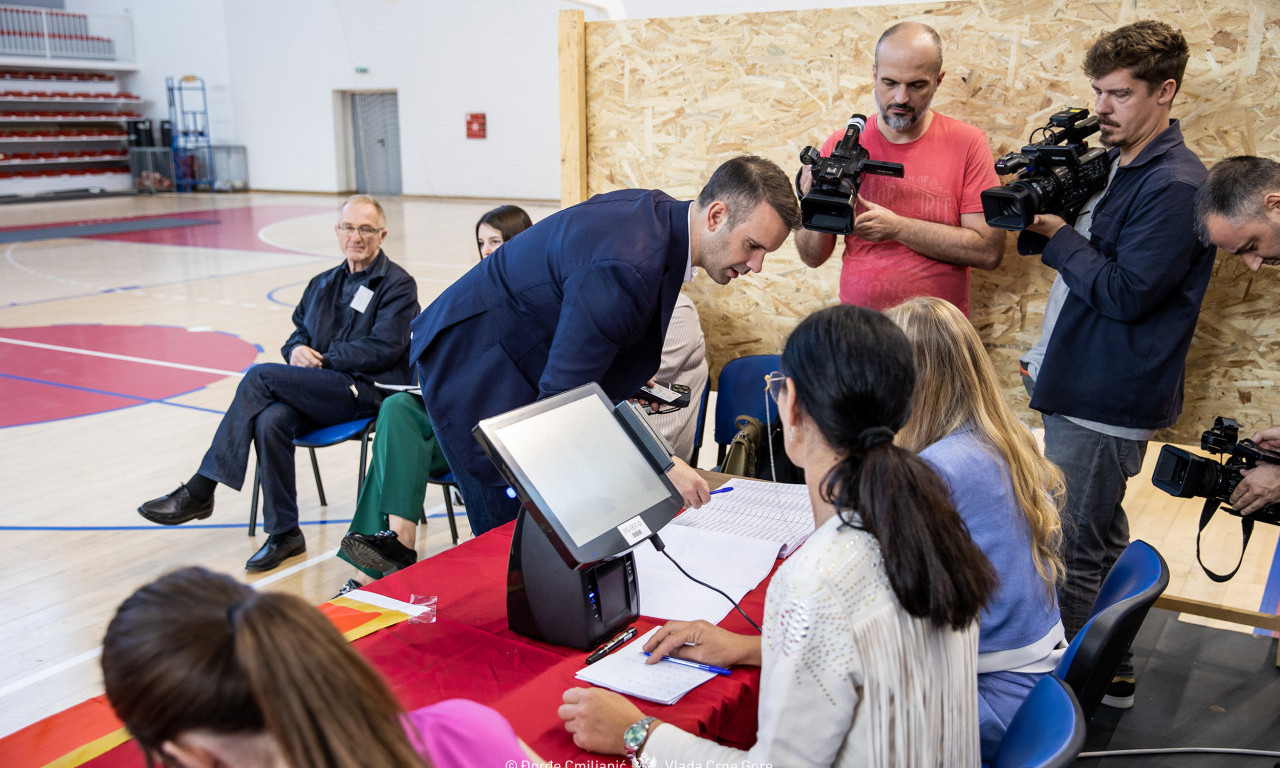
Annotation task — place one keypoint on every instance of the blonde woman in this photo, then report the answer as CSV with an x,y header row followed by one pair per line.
x,y
1007,492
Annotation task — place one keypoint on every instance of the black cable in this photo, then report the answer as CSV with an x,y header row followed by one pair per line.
x,y
658,545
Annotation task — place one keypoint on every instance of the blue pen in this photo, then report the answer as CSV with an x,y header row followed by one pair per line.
x,y
696,665
722,490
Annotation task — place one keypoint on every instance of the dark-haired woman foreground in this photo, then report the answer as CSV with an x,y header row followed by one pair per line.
x,y
869,651
205,672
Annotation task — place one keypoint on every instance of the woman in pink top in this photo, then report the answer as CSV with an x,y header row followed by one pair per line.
x,y
205,671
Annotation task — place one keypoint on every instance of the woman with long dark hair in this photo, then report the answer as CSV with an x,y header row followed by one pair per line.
x,y
1008,493
870,643
205,671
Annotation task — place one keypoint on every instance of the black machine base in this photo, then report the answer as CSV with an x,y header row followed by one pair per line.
x,y
547,600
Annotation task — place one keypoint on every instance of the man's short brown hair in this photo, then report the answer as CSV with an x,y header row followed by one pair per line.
x,y
1151,50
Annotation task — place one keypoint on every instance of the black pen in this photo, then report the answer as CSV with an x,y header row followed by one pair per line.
x,y
612,645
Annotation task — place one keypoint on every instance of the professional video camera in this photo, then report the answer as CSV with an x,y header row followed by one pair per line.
x,y
1059,173
828,206
1186,475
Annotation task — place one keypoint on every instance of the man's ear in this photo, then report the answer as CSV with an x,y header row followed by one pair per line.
x,y
1271,205
716,215
1168,89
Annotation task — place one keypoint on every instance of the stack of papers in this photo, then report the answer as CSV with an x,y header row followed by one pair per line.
x,y
625,671
777,512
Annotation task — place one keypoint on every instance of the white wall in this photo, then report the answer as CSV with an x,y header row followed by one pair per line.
x,y
273,67
173,38
444,59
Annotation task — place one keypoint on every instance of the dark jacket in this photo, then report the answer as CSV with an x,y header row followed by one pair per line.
x,y
584,295
1118,351
373,344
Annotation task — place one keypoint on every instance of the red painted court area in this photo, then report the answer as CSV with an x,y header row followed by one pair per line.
x,y
233,228
56,372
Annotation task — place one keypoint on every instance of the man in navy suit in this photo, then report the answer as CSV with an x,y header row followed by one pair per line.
x,y
584,295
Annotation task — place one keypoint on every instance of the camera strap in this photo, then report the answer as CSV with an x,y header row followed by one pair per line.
x,y
1246,528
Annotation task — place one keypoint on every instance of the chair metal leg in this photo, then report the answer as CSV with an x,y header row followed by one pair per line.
x,y
253,506
315,467
448,505
364,458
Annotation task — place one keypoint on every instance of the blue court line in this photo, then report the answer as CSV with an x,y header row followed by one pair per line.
x,y
139,400
154,527
271,295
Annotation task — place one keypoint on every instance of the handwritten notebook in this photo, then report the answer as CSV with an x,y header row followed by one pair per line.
x,y
625,671
779,512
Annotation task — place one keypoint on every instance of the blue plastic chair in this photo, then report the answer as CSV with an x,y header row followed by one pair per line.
x,y
702,423
450,484
360,429
740,392
1047,731
1137,579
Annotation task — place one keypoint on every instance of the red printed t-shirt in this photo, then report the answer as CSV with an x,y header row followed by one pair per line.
x,y
944,172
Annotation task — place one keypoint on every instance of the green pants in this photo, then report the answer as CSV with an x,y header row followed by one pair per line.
x,y
405,453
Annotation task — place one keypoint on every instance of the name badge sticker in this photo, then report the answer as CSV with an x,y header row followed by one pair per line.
x,y
635,530
360,302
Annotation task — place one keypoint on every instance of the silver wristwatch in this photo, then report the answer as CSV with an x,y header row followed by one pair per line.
x,y
635,737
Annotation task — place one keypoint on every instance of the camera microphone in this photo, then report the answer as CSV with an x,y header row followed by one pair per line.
x,y
858,124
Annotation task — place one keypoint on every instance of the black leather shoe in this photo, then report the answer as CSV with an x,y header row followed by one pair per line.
x,y
279,547
381,552
177,508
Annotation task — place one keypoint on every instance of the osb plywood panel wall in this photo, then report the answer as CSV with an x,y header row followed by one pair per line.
x,y
669,99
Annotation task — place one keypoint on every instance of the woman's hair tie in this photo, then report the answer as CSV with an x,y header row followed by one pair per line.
x,y
872,436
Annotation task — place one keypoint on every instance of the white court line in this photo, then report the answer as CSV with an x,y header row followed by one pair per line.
x,y
113,356
94,653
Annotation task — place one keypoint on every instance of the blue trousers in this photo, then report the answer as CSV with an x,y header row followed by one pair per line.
x,y
488,506
274,404
1096,468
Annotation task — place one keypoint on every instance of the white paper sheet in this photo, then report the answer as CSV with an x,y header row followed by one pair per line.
x,y
625,671
778,512
736,564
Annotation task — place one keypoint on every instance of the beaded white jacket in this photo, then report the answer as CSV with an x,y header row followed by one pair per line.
x,y
848,677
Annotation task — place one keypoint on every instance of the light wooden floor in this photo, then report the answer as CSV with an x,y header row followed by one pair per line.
x,y
60,587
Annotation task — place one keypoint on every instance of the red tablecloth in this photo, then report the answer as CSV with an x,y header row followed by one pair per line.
x,y
469,653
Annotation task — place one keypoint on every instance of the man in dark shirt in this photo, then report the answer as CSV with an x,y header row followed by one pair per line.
x,y
351,329
1131,276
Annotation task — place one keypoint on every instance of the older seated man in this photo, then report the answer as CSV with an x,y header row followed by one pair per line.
x,y
351,330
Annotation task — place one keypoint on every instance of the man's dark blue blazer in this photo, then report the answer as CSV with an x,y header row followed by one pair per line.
x,y
584,295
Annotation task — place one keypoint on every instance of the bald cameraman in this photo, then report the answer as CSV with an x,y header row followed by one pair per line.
x,y
1238,209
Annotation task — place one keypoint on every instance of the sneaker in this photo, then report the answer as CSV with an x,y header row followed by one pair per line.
x,y
1119,693
351,586
380,552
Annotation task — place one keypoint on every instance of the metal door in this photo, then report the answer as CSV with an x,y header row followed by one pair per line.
x,y
375,131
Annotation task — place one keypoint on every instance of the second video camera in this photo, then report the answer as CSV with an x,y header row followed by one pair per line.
x,y
1184,474
1059,173
828,207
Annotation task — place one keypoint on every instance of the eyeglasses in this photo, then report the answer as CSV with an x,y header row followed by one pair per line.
x,y
773,384
365,232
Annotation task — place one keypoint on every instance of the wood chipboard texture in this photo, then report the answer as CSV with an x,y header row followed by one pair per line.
x,y
669,99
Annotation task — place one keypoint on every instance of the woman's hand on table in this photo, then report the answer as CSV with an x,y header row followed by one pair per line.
x,y
598,718
704,642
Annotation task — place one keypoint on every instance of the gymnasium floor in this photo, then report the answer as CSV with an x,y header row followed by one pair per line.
x,y
124,323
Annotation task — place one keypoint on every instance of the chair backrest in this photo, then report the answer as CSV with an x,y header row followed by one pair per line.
x,y
1046,732
740,392
1091,659
1138,569
702,423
